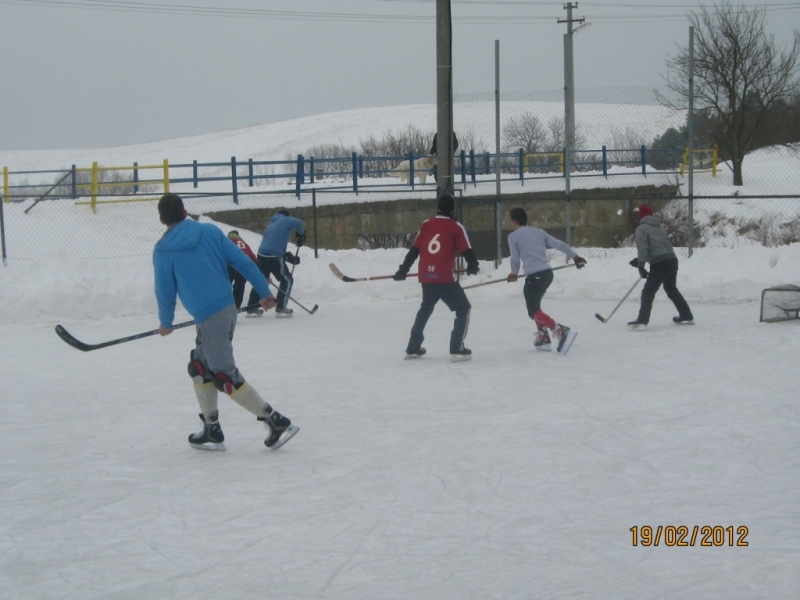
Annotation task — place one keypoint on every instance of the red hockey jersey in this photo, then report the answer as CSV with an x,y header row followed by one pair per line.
x,y
439,240
244,247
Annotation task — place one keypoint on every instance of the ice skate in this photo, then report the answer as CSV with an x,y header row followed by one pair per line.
x,y
461,355
254,312
412,354
210,438
283,313
565,337
280,430
637,325
541,341
683,320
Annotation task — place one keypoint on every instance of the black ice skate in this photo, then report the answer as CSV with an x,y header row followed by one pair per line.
x,y
280,430
460,355
411,354
210,438
282,313
565,337
683,320
637,325
254,312
541,341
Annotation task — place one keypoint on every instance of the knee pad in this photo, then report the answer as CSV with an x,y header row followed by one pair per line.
x,y
197,371
225,384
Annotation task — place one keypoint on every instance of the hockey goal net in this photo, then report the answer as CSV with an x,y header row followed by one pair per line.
x,y
780,303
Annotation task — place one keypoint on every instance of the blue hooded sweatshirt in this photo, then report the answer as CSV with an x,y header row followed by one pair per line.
x,y
276,235
191,261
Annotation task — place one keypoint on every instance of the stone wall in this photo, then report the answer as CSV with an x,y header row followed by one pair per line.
x,y
593,214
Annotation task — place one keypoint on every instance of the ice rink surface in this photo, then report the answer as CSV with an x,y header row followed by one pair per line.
x,y
516,475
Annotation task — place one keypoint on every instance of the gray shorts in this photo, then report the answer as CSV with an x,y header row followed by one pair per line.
x,y
214,344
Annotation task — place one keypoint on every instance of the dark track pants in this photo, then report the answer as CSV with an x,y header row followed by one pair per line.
x,y
663,272
238,280
456,300
276,266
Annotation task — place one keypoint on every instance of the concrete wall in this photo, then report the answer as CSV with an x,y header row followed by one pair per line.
x,y
593,214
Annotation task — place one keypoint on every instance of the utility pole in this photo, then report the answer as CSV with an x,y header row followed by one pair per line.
x,y
444,99
569,109
569,78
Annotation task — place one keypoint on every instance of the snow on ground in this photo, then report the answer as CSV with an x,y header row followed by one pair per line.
x,y
516,475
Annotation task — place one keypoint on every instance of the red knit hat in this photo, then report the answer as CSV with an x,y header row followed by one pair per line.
x,y
644,210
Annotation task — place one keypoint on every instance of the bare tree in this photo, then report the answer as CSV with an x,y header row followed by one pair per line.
x,y
740,76
525,132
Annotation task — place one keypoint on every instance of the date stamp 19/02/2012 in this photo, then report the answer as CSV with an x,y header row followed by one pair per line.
x,y
682,535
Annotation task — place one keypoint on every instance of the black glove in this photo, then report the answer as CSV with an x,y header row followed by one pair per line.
x,y
401,274
643,272
634,263
291,258
299,239
579,262
473,268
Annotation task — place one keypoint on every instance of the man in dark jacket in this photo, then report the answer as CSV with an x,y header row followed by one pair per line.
x,y
653,246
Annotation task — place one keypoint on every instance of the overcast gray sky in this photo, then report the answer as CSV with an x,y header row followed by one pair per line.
x,y
87,73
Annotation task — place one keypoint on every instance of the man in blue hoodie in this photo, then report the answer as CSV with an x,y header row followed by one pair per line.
x,y
272,254
191,262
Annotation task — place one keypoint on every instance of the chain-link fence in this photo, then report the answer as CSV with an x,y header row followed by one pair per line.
x,y
626,153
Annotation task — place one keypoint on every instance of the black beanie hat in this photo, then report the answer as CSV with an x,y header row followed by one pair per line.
x,y
446,206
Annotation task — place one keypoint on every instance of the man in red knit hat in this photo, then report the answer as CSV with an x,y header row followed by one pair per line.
x,y
653,246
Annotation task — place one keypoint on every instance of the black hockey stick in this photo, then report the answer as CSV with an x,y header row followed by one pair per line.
x,y
311,312
469,287
600,318
347,279
84,347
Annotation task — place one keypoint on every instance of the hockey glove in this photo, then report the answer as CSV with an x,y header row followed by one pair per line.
x,y
291,258
299,239
579,262
634,263
512,277
643,272
401,274
472,269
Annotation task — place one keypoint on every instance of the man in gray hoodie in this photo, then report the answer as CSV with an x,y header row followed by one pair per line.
x,y
653,246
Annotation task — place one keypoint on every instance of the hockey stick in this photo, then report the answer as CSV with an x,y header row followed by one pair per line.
x,y
311,312
600,318
84,347
468,287
347,279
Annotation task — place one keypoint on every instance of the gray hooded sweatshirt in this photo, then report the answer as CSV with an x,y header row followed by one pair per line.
x,y
652,241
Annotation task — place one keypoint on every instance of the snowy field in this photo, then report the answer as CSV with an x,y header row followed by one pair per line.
x,y
517,475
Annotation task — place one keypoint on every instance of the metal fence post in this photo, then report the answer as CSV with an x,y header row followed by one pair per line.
x,y
521,162
250,171
314,219
166,176
299,174
136,178
605,163
355,172
234,181
3,200
74,183
194,173
644,160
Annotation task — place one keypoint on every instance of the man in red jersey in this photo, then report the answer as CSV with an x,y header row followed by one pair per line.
x,y
438,242
238,280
